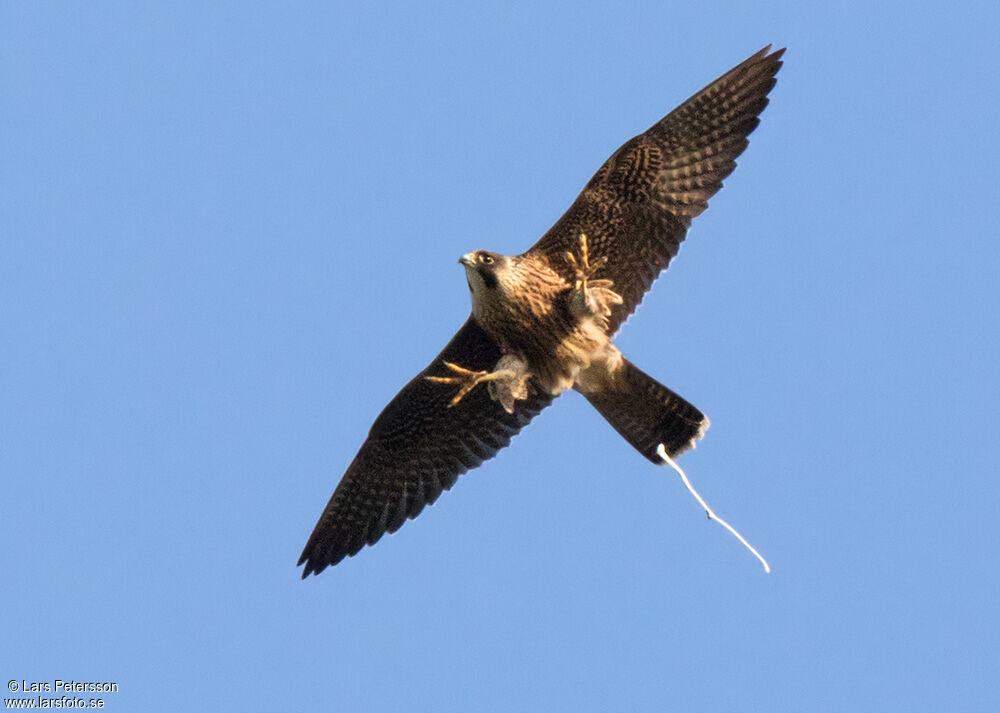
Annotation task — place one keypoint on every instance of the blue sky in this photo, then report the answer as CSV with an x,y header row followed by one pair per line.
x,y
229,235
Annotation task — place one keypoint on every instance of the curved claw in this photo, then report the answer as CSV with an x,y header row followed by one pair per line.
x,y
593,297
468,379
582,266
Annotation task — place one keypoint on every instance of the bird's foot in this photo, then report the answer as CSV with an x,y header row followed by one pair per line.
x,y
513,386
467,380
590,298
507,383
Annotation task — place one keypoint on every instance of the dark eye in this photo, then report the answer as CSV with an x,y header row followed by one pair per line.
x,y
486,259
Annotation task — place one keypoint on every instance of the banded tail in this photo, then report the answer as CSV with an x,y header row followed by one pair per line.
x,y
646,413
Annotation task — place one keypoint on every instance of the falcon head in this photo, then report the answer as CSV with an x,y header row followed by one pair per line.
x,y
485,271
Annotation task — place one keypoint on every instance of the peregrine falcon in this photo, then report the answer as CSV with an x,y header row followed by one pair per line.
x,y
542,322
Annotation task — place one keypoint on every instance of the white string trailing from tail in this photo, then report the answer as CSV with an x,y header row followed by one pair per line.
x,y
662,452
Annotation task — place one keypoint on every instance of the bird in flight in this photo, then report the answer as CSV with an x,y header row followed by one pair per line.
x,y
542,322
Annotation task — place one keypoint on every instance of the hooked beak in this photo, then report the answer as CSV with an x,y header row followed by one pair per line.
x,y
468,260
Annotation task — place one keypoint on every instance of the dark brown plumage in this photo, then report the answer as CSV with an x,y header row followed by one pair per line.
x,y
542,322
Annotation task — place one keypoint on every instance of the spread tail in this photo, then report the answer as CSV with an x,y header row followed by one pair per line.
x,y
646,413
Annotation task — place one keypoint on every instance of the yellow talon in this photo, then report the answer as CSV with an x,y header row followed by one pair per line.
x,y
466,378
469,379
582,265
592,297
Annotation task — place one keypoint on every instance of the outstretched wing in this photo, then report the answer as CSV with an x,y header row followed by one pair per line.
x,y
417,447
637,208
